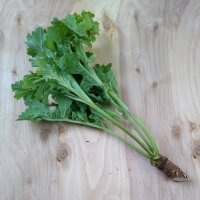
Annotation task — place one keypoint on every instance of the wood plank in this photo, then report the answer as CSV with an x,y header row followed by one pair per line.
x,y
154,48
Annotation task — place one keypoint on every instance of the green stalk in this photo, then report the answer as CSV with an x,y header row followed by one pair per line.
x,y
73,86
151,146
109,131
134,127
127,143
139,132
149,135
124,108
93,75
84,98
122,127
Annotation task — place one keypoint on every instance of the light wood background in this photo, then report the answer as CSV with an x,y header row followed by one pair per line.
x,y
154,46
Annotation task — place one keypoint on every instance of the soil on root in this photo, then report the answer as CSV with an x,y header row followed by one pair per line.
x,y
171,170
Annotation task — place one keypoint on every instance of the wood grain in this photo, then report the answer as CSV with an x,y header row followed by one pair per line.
x,y
154,47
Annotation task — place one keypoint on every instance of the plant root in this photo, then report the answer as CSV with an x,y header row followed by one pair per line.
x,y
171,170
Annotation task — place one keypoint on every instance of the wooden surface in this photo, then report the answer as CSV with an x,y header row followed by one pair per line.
x,y
154,46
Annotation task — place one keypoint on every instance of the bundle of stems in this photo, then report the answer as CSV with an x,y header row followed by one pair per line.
x,y
67,86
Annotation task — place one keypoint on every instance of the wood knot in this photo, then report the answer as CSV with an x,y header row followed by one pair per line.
x,y
19,19
61,155
193,126
138,70
154,84
176,130
29,180
61,129
155,27
14,72
1,39
45,135
106,24
196,151
136,16
1,35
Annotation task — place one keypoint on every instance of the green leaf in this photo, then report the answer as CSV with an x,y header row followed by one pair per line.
x,y
70,64
63,68
21,92
63,71
65,85
83,26
64,105
35,41
105,73
35,112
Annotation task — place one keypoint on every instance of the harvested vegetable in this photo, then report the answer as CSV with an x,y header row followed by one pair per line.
x,y
66,86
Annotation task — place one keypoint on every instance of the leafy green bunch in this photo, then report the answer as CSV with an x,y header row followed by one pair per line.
x,y
66,86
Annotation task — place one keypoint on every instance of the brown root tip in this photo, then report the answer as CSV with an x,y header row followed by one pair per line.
x,y
171,170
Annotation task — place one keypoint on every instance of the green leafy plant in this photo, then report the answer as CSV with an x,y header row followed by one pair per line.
x,y
66,86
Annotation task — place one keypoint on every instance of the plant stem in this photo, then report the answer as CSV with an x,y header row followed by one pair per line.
x,y
136,120
109,131
139,132
133,126
121,126
149,135
74,87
